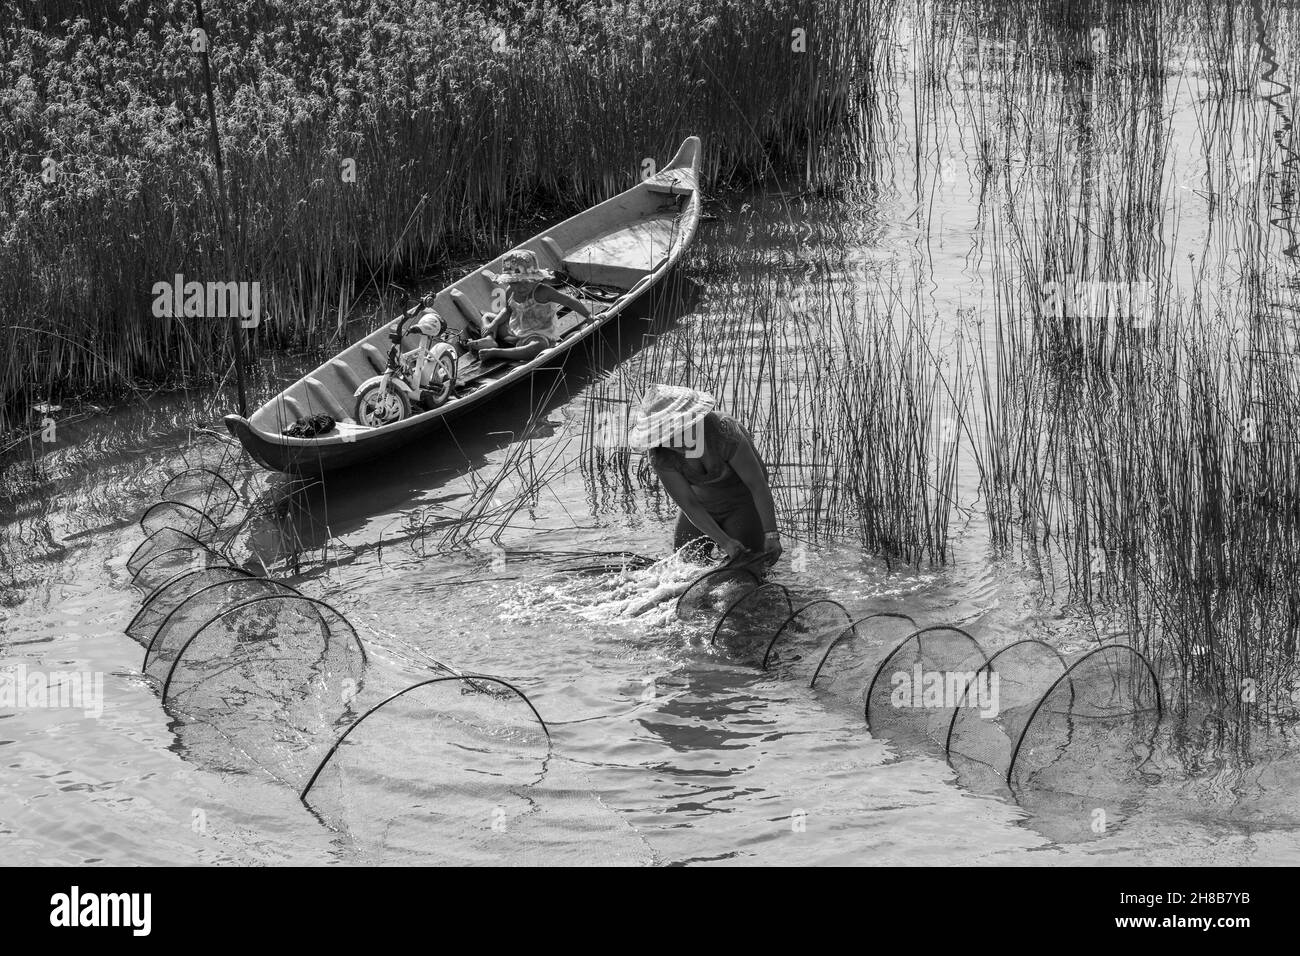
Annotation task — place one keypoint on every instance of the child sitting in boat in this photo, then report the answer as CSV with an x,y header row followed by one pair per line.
x,y
525,327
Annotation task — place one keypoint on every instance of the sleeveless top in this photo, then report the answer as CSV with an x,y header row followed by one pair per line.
x,y
710,475
530,317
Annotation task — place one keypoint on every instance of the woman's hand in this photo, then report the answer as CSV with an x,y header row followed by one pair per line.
x,y
733,547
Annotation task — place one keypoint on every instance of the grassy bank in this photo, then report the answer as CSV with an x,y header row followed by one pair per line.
x,y
458,120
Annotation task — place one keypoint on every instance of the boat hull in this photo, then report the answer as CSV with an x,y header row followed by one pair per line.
x,y
308,457
631,242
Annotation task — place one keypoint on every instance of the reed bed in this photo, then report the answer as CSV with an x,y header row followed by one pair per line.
x,y
463,121
1144,455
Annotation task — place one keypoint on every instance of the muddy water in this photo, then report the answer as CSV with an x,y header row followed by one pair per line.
x,y
665,747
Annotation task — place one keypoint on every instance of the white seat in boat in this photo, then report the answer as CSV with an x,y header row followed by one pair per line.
x,y
624,256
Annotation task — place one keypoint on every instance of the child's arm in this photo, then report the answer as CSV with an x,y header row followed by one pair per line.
x,y
546,293
491,320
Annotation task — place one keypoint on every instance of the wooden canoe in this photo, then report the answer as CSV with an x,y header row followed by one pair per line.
x,y
626,243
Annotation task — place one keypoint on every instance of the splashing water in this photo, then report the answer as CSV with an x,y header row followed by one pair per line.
x,y
645,594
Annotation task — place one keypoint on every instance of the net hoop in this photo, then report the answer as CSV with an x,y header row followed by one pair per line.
x,y
1155,683
852,629
785,592
989,666
197,546
162,625
468,678
149,539
202,516
683,612
767,654
197,471
176,579
916,636
180,655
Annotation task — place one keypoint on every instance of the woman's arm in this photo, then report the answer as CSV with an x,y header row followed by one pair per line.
x,y
546,293
746,464
679,489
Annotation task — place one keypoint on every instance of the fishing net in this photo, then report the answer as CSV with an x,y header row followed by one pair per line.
x,y
204,490
179,516
917,686
751,614
997,705
714,591
266,684
163,599
849,659
447,768
202,605
167,539
1092,730
805,630
167,553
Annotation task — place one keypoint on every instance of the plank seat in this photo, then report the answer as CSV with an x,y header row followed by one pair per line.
x,y
624,256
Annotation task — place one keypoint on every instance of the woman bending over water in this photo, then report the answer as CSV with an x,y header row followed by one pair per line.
x,y
707,463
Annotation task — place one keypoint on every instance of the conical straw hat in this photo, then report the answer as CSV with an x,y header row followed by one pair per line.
x,y
666,413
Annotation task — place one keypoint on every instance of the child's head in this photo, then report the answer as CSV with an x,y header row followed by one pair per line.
x,y
520,273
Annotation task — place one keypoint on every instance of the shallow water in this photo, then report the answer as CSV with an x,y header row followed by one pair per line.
x,y
665,749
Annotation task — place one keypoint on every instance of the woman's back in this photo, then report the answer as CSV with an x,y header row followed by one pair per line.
x,y
708,471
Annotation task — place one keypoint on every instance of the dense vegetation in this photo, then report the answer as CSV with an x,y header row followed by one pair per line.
x,y
461,118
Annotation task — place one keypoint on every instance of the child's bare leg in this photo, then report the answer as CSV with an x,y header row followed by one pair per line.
x,y
518,353
487,330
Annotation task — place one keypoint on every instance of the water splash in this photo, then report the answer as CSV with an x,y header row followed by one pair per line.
x,y
645,594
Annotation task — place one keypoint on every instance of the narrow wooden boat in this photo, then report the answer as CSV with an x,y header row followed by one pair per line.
x,y
615,251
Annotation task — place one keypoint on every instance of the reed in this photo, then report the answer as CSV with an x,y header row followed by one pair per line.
x,y
1144,460
463,120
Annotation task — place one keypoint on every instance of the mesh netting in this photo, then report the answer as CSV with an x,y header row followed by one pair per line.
x,y
446,767
749,617
1092,729
204,490
849,659
165,539
915,689
995,709
163,599
202,605
807,629
179,516
266,685
167,554
714,591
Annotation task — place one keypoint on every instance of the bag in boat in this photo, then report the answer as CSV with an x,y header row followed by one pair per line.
x,y
310,427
